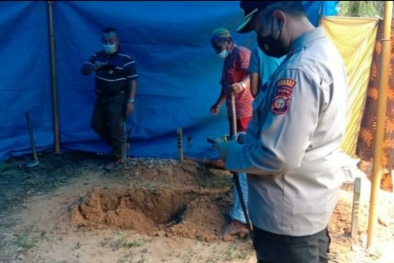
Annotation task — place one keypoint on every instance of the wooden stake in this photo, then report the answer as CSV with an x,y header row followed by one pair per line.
x,y
356,207
180,144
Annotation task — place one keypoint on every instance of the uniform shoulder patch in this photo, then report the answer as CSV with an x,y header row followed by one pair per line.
x,y
284,88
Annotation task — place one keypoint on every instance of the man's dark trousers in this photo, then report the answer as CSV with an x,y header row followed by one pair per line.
x,y
108,115
273,248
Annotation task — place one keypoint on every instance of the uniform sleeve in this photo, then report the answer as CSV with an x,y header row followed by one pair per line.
x,y
286,133
92,59
130,69
254,61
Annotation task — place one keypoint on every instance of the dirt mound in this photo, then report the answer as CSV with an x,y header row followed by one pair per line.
x,y
197,214
164,171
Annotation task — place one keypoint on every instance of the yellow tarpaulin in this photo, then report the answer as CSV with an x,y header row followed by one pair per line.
x,y
355,39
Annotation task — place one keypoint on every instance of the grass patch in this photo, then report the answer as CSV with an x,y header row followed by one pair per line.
x,y
118,241
216,182
233,254
25,241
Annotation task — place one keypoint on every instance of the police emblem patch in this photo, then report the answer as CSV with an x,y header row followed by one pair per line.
x,y
284,88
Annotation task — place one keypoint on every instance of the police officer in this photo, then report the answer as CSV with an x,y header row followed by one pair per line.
x,y
291,147
116,83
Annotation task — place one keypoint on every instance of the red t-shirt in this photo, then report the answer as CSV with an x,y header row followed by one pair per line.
x,y
235,69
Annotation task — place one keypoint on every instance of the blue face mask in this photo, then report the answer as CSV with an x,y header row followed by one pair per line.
x,y
109,48
223,54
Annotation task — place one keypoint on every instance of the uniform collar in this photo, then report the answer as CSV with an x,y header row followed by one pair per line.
x,y
305,39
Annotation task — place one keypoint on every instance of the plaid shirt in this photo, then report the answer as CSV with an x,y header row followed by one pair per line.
x,y
235,69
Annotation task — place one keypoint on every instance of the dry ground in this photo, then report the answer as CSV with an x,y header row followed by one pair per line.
x,y
70,210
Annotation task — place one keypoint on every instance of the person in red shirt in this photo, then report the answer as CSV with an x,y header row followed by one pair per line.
x,y
235,80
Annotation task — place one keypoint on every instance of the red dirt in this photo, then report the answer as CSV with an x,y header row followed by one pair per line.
x,y
158,212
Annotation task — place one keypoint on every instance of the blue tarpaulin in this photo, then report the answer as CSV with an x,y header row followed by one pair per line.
x,y
178,71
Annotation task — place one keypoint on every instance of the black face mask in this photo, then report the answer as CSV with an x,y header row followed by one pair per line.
x,y
270,46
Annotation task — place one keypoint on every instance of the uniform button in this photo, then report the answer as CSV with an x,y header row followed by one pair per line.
x,y
327,79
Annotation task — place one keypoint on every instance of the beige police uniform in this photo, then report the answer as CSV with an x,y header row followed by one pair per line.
x,y
291,147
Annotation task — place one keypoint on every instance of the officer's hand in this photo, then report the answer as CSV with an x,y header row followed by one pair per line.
x,y
130,108
97,65
237,88
223,148
215,109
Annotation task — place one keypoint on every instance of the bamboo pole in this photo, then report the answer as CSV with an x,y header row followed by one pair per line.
x,y
54,79
380,123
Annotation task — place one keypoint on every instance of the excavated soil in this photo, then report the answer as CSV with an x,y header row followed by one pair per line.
x,y
70,210
163,171
195,214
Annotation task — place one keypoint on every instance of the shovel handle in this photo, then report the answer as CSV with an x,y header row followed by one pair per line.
x,y
234,117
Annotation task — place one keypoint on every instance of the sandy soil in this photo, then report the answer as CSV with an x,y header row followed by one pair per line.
x,y
70,210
